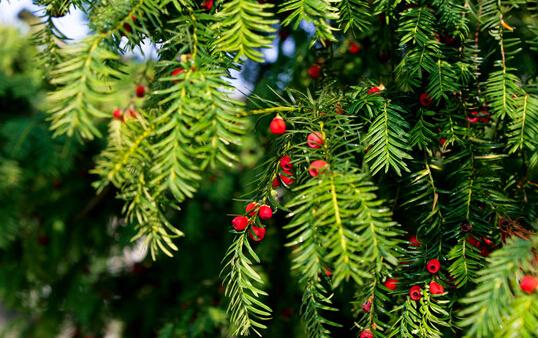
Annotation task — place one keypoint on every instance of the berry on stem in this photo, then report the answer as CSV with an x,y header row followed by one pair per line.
x,y
277,125
425,100
472,120
488,241
314,71
240,223
117,114
474,242
275,183
436,288
415,292
286,179
366,334
177,71
285,163
257,233
317,167
391,284
376,89
265,212
140,90
315,140
366,306
466,227
250,208
207,4
528,284
413,241
433,265
354,47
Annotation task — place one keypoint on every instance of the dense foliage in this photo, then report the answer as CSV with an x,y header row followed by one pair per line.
x,y
395,196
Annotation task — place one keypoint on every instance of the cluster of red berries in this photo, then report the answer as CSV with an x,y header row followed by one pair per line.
x,y
433,266
415,292
485,246
286,174
119,115
253,211
478,117
314,140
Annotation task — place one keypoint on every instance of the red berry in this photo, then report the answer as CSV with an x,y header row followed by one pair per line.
x,y
474,242
315,140
314,71
483,119
366,334
250,208
391,284
328,272
140,91
354,47
240,223
276,183
257,233
366,306
265,212
316,167
425,100
485,252
413,241
127,27
436,288
207,4
177,71
285,163
277,126
286,179
118,114
415,292
442,141
287,172
474,113
487,241
472,119
433,265
374,90
466,227
528,284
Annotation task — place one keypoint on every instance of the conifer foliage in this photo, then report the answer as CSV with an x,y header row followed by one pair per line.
x,y
402,173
